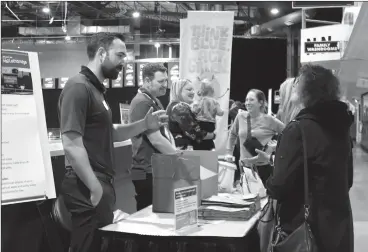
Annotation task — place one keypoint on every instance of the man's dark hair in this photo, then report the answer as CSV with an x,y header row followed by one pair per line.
x,y
317,84
150,69
101,39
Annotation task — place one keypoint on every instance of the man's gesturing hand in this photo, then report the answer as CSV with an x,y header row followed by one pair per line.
x,y
155,120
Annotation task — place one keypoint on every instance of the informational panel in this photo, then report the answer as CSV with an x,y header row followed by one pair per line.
x,y
118,83
48,83
140,76
205,55
62,82
129,75
186,207
26,164
173,72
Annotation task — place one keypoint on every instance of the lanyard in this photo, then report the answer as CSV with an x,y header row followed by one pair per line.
x,y
157,106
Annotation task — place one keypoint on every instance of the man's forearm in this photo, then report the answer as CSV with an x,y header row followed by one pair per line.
x,y
124,132
79,161
165,147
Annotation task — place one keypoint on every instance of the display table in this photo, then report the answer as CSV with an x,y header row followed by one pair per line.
x,y
148,231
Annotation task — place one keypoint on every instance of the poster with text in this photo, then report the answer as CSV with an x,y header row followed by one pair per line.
x,y
205,56
186,207
26,163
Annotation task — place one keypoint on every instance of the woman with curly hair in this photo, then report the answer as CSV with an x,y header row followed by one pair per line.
x,y
326,123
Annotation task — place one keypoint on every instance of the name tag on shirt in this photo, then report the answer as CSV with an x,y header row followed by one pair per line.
x,y
105,104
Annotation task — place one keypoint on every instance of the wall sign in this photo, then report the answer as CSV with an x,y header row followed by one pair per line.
x,y
129,77
118,83
322,47
324,43
48,83
140,76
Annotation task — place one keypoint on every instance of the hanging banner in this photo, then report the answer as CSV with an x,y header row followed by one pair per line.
x,y
26,164
205,55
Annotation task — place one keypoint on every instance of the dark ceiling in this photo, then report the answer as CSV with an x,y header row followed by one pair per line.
x,y
157,18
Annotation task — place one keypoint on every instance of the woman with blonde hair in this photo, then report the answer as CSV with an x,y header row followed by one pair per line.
x,y
288,107
182,121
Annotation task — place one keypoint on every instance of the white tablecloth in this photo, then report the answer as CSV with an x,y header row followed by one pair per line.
x,y
145,222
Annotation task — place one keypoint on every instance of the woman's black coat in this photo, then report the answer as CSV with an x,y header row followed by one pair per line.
x,y
329,147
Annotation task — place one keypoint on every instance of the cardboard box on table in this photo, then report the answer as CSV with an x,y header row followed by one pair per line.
x,y
176,171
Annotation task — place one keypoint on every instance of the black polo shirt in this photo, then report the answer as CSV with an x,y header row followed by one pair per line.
x,y
141,146
83,109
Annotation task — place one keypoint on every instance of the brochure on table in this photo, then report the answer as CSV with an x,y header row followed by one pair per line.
x,y
26,164
186,208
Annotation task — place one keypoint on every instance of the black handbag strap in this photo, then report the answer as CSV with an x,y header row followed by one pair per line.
x,y
249,127
305,162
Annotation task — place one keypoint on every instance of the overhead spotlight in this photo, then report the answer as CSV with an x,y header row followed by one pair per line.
x,y
67,38
51,20
274,11
46,9
157,45
136,14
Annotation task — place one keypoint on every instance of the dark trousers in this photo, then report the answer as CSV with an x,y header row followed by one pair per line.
x,y
143,189
87,219
264,172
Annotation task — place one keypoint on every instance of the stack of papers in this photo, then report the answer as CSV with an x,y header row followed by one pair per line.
x,y
228,207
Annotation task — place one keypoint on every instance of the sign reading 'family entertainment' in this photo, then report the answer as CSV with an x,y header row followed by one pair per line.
x,y
205,55
26,164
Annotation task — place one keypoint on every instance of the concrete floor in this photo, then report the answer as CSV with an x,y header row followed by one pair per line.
x,y
359,200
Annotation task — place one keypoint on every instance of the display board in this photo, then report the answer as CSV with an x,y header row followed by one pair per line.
x,y
205,53
26,163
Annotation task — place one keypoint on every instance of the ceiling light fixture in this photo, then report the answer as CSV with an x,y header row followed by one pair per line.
x,y
136,14
274,11
46,9
67,38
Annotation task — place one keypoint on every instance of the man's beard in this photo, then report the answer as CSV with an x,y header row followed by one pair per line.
x,y
109,71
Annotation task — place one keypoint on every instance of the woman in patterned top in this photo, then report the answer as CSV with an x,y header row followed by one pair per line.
x,y
182,122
